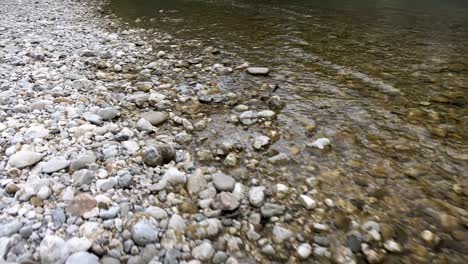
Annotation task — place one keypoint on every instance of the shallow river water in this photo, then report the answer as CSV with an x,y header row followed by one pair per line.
x,y
385,80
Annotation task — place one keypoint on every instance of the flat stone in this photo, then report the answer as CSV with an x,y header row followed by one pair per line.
x,y
82,161
258,70
271,209
55,164
93,118
24,158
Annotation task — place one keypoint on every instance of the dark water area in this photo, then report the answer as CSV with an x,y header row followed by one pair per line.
x,y
386,80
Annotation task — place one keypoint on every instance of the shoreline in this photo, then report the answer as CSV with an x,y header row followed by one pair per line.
x,y
101,160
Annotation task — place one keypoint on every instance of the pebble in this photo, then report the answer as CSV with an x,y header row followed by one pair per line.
x,y
203,252
223,182
257,196
304,250
226,201
320,143
307,202
108,113
258,70
155,118
145,231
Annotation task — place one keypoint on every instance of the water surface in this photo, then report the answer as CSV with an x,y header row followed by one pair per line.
x,y
386,80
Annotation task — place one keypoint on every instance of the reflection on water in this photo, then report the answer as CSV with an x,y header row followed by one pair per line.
x,y
387,80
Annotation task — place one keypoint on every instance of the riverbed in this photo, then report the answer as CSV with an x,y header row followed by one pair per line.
x,y
386,81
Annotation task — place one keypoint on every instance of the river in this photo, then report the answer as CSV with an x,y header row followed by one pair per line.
x,y
385,80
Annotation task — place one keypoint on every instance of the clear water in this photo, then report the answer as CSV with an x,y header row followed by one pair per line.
x,y
386,80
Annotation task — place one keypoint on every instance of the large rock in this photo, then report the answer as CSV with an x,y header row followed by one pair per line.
x,y
53,250
223,182
154,117
82,258
158,154
24,158
145,231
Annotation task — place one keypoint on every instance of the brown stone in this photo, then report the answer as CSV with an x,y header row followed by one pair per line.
x,y
37,202
81,204
11,188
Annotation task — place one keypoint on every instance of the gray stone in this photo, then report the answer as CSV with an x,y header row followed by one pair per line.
x,y
271,209
26,231
93,118
155,118
58,216
5,243
257,196
10,228
226,201
109,213
158,154
219,257
223,182
108,113
177,223
82,177
24,158
196,182
261,142
145,231
82,161
280,233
